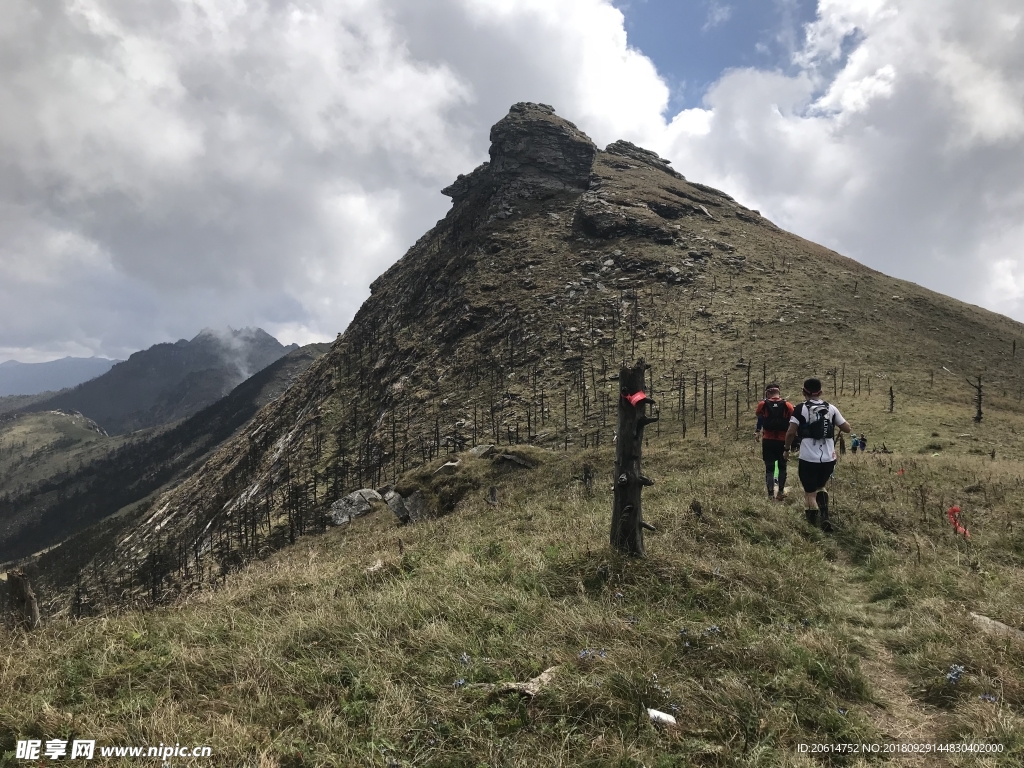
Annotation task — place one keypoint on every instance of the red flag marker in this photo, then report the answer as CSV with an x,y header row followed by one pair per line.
x,y
954,518
636,398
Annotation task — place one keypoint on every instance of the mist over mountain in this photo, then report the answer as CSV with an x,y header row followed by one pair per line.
x,y
168,382
32,378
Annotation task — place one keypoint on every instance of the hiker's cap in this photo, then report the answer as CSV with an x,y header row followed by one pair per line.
x,y
812,386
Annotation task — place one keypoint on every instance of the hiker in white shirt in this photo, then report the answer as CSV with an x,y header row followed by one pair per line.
x,y
815,421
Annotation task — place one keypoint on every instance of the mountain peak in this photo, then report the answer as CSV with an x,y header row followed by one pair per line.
x,y
507,321
534,154
171,381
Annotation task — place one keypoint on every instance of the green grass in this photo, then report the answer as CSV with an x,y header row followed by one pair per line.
x,y
35,446
747,625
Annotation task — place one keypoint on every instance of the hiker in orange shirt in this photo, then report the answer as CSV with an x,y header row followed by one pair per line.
x,y
773,415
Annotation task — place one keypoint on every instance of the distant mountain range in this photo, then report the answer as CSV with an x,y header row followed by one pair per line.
x,y
168,382
54,489
32,378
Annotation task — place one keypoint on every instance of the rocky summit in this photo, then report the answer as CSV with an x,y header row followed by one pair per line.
x,y
508,321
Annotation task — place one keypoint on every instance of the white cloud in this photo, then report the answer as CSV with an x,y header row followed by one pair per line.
x,y
717,15
174,165
907,154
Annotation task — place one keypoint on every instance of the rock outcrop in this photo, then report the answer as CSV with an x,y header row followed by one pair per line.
x,y
535,155
355,504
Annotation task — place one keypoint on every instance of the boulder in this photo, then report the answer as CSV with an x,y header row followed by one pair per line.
x,y
511,459
449,468
397,505
416,506
482,451
356,504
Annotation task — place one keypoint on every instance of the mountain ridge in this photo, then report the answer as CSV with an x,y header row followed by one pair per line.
x,y
507,322
17,378
63,504
169,381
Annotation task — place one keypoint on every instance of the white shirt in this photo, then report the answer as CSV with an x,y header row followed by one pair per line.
x,y
817,451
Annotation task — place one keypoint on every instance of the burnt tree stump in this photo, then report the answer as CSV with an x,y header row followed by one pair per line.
x,y
23,599
627,535
977,399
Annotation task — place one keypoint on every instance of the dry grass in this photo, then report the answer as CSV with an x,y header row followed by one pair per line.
x,y
753,629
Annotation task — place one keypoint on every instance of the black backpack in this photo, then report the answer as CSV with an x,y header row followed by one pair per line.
x,y
775,419
817,425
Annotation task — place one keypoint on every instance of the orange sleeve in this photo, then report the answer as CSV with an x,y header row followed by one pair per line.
x,y
759,411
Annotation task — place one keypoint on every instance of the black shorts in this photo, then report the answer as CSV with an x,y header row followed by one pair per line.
x,y
814,475
771,451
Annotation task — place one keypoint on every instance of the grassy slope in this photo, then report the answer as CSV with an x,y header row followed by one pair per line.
x,y
10,403
34,446
482,317
307,659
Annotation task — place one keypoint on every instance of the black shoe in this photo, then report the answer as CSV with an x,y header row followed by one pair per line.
x,y
822,499
826,525
812,516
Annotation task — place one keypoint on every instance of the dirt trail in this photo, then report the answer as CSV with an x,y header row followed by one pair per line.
x,y
899,718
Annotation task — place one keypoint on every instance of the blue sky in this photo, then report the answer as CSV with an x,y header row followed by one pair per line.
x,y
692,42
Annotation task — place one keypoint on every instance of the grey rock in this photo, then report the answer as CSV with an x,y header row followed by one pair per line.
x,y
645,156
534,154
482,451
449,468
397,505
356,504
510,459
416,506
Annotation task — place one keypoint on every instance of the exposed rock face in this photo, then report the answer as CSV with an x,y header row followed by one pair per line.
x,y
534,155
356,504
536,146
641,155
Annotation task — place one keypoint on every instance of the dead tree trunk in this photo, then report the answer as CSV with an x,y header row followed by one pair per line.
x,y
23,599
977,398
705,403
892,400
627,535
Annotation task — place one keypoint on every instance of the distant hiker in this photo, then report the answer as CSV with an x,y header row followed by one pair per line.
x,y
855,444
863,443
773,415
814,421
